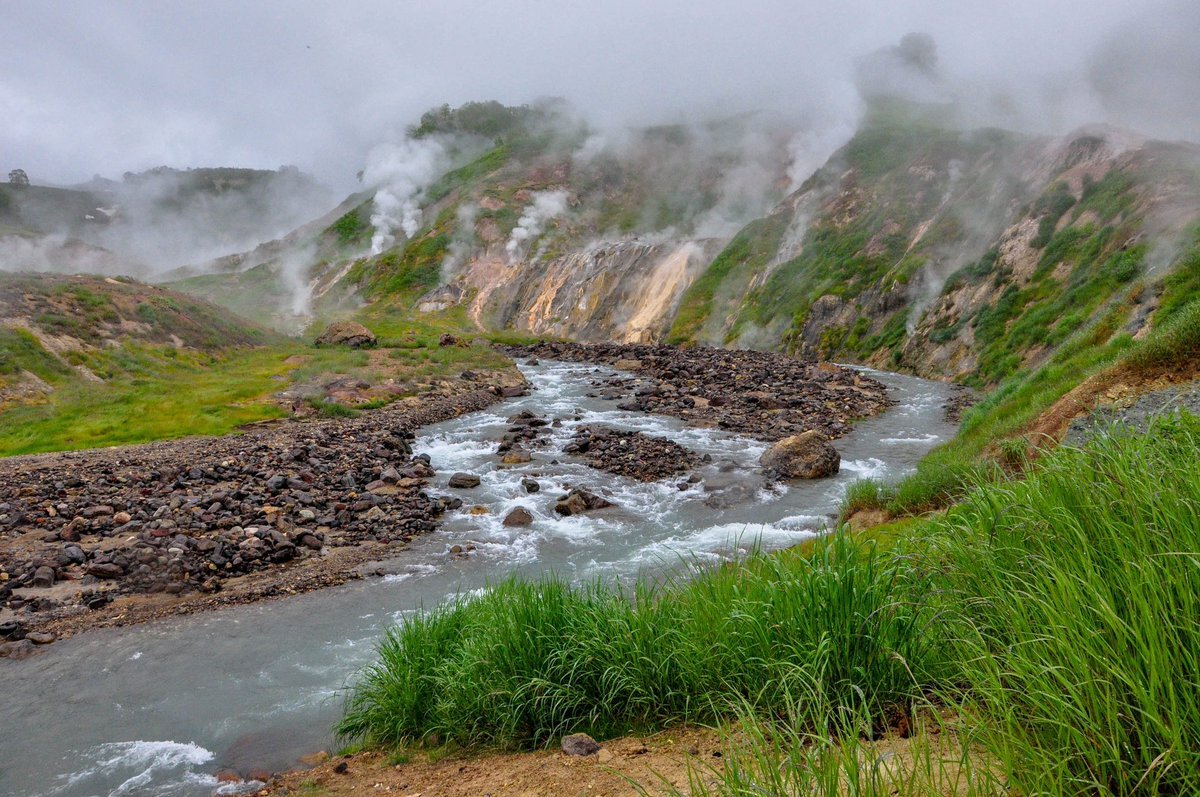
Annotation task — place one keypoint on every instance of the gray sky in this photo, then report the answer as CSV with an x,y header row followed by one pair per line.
x,y
104,86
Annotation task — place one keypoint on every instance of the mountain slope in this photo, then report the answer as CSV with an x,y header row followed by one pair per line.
x,y
963,255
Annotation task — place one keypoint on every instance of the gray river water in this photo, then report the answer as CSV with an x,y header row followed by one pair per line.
x,y
158,709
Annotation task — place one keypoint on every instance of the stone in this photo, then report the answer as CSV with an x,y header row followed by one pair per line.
x,y
804,456
464,481
43,577
121,518
20,649
346,333
40,637
105,570
627,364
518,517
518,456
578,501
580,744
531,485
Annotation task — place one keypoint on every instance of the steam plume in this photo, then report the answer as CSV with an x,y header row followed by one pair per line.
x,y
402,172
545,206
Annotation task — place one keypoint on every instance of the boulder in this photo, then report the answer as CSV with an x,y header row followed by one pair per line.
x,y
517,456
580,744
346,333
804,456
519,517
16,650
44,576
464,481
105,570
578,501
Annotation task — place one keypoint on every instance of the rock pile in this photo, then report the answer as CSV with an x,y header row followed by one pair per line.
x,y
185,516
632,454
764,395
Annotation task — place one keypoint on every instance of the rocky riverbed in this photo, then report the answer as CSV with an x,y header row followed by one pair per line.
x,y
116,536
112,536
765,395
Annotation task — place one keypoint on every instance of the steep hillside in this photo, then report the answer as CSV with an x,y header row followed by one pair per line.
x,y
970,255
532,208
964,255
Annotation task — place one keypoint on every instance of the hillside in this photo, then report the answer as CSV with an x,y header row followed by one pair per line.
x,y
958,254
69,332
530,208
163,218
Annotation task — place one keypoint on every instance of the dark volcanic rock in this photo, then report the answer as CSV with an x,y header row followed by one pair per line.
x,y
580,744
578,501
633,454
803,456
464,481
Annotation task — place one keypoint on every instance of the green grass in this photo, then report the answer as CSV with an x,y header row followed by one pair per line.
x,y
1056,617
176,396
528,662
1075,597
155,392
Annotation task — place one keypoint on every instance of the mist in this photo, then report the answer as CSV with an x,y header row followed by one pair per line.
x,y
110,87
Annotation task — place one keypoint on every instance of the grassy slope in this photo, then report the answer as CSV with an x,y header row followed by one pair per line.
x,y
814,650
223,379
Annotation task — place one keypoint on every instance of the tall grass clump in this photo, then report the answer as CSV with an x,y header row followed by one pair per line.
x,y
1178,340
528,662
1077,600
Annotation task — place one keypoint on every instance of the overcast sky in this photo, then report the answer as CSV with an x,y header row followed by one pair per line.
x,y
105,86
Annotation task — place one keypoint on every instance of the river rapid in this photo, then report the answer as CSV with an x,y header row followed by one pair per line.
x,y
158,709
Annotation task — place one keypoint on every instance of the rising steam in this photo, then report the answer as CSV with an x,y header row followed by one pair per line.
x,y
401,172
545,206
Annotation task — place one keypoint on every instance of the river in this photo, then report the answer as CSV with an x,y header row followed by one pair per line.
x,y
158,709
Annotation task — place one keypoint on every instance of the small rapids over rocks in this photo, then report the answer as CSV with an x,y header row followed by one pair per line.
x,y
160,709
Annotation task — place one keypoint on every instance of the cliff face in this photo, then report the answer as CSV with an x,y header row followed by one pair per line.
x,y
623,291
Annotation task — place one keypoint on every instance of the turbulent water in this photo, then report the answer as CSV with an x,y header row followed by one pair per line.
x,y
158,709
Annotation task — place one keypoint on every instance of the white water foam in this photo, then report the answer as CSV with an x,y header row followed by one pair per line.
x,y
141,763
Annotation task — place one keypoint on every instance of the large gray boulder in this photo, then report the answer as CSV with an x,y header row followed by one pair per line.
x,y
808,455
347,333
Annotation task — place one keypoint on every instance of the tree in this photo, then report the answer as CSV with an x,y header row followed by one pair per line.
x,y
18,177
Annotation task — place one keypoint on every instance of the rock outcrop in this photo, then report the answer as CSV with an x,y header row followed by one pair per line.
x,y
347,333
